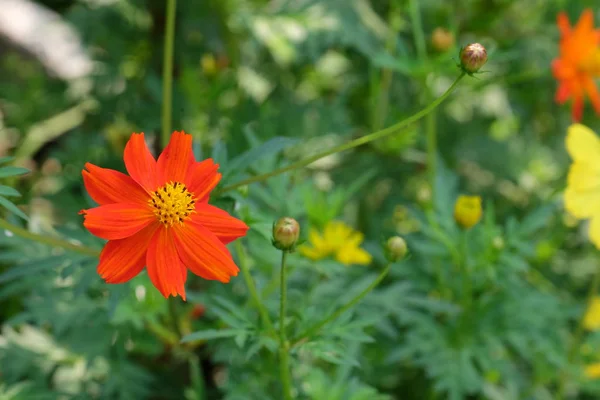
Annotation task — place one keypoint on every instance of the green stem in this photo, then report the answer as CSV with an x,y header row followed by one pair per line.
x,y
417,28
578,335
284,346
310,332
174,318
264,315
465,272
167,89
431,152
48,240
350,145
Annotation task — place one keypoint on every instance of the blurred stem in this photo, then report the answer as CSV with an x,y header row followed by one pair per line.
x,y
431,151
465,271
48,240
167,89
417,29
243,261
383,98
350,145
578,335
284,346
310,332
174,317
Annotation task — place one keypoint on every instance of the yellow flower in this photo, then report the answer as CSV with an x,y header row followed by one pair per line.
x,y
467,211
338,240
592,371
582,196
591,320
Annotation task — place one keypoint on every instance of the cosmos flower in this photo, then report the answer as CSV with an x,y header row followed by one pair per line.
x,y
578,63
582,196
158,217
338,240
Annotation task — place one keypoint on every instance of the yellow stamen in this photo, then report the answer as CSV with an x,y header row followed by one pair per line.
x,y
172,203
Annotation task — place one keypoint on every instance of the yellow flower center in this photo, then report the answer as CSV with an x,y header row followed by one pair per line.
x,y
591,65
172,203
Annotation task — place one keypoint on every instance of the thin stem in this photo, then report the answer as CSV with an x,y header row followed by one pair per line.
x,y
284,346
319,325
350,145
578,335
167,88
48,240
264,315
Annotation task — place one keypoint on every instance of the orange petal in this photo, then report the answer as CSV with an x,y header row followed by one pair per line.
x,y
564,26
108,186
586,22
140,163
117,221
202,178
176,159
165,269
203,253
121,260
219,222
563,92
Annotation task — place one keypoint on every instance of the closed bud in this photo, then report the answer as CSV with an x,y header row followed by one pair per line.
x,y
472,57
468,211
395,249
286,232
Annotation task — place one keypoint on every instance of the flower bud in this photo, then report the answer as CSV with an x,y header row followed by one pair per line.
x,y
467,211
472,57
395,249
285,233
442,39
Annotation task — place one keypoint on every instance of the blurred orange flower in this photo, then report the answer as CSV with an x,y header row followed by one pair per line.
x,y
579,62
159,217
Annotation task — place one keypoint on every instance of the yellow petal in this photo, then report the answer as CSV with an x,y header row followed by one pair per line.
x,y
583,144
355,239
316,239
595,239
584,176
591,320
312,253
582,204
348,255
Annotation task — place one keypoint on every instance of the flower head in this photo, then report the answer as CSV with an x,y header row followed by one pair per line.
x,y
159,217
592,371
338,240
578,63
582,196
591,319
472,57
467,211
285,233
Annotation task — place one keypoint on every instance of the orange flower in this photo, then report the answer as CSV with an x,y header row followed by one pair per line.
x,y
579,62
159,217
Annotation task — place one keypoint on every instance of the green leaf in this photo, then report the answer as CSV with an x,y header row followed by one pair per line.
x,y
8,191
6,172
268,148
211,334
6,159
12,208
